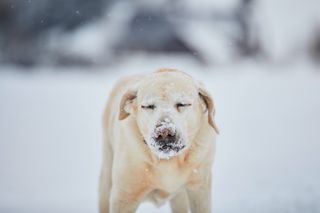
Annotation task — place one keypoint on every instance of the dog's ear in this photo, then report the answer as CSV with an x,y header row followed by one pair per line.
x,y
125,104
209,106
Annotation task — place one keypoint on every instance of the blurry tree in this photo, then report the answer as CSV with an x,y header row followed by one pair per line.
x,y
206,33
315,46
247,41
24,22
150,30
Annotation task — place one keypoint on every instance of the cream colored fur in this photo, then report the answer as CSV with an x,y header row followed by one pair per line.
x,y
131,172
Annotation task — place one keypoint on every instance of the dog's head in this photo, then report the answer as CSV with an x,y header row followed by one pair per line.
x,y
170,108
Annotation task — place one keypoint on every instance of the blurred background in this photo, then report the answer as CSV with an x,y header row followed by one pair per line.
x,y
259,58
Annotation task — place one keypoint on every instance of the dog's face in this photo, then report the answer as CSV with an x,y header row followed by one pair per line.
x,y
169,108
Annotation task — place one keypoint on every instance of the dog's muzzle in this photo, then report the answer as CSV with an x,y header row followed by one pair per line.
x,y
166,138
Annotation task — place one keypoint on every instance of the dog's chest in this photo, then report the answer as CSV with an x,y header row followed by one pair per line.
x,y
166,188
168,181
170,177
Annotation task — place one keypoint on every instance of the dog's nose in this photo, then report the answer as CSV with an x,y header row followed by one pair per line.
x,y
165,132
165,129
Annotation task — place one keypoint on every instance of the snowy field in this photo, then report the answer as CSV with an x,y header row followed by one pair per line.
x,y
268,157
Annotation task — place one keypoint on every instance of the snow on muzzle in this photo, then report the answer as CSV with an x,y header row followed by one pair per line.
x,y
166,139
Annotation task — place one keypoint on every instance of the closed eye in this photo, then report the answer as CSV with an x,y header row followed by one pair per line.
x,y
151,106
180,105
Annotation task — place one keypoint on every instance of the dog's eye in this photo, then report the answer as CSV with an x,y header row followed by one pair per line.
x,y
180,105
151,106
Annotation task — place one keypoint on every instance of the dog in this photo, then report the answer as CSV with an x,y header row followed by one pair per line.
x,y
159,144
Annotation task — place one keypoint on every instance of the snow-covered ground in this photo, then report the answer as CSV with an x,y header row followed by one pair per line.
x,y
268,157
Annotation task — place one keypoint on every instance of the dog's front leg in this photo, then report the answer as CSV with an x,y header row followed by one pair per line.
x,y
119,205
200,196
126,200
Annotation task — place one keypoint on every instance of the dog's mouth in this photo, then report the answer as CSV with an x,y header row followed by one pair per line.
x,y
166,141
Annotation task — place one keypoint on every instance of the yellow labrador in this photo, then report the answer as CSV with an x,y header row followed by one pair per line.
x,y
159,144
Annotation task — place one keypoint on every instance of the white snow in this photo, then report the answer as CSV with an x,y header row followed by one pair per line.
x,y
267,157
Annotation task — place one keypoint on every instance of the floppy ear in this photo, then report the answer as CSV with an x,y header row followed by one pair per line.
x,y
125,103
207,99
